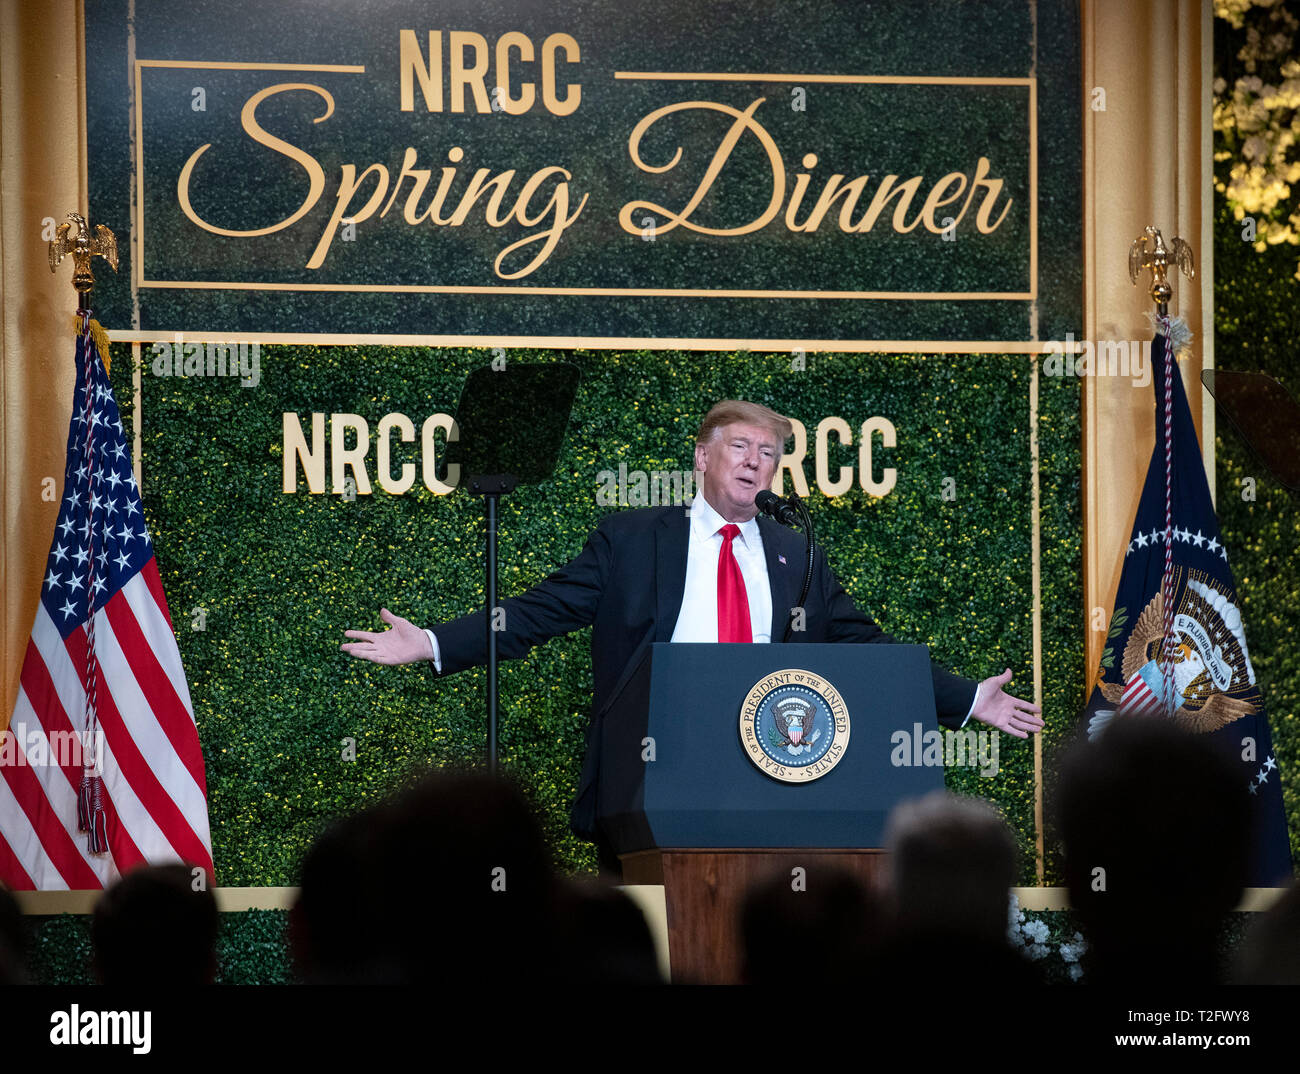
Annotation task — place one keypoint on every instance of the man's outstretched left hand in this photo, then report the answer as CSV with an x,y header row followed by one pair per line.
x,y
999,709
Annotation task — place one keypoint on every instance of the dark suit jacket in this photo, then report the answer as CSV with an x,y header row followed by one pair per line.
x,y
627,583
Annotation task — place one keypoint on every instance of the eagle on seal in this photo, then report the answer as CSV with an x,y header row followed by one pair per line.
x,y
794,721
1201,707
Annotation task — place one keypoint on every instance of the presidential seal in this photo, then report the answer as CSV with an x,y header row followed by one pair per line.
x,y
1213,678
794,726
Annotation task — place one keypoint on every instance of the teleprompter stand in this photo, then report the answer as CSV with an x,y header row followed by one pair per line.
x,y
509,429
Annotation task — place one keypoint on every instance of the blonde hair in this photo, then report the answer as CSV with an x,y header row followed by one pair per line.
x,y
737,411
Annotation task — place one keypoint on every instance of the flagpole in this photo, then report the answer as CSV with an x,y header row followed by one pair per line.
x,y
84,246
1149,252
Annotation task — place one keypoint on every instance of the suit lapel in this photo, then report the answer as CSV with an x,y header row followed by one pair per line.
x,y
783,579
672,540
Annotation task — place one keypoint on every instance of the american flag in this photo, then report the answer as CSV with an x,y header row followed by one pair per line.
x,y
103,725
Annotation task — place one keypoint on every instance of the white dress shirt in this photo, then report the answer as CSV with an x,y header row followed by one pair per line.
x,y
698,618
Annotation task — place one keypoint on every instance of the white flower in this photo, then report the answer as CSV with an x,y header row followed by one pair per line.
x,y
1037,931
1072,950
1076,971
1015,915
1038,951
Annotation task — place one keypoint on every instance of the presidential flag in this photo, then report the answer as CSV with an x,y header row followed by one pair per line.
x,y
1176,644
100,769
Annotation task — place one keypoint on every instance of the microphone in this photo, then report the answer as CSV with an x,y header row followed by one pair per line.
x,y
770,504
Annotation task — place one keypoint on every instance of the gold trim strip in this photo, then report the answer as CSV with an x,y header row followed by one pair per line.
x,y
83,902
1033,187
355,69
1042,898
137,418
848,346
1035,560
750,76
237,900
137,270
652,901
137,209
639,292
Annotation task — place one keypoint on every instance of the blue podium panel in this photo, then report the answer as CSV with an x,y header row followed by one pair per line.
x,y
675,771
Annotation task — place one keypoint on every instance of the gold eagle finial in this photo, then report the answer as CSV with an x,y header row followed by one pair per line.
x,y
83,244
1149,251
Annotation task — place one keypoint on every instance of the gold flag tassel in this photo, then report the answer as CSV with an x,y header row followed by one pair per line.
x,y
99,334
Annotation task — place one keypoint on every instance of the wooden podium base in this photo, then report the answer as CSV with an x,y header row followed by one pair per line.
x,y
705,888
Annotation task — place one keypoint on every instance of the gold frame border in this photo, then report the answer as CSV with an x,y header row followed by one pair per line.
x,y
1029,83
658,343
1009,347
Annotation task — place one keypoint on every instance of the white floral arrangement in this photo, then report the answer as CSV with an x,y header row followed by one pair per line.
x,y
1031,937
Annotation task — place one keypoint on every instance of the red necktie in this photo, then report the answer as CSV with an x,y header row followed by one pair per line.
x,y
733,604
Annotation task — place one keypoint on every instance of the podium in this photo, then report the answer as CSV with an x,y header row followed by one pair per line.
x,y
722,764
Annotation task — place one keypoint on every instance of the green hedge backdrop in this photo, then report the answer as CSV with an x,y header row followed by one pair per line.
x,y
281,576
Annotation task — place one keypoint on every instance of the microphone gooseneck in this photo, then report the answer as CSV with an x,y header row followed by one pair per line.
x,y
810,553
792,512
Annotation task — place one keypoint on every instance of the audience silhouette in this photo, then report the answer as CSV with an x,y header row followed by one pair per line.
x,y
156,927
952,865
451,879
1155,826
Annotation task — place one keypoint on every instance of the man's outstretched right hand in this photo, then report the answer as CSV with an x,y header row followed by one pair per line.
x,y
405,643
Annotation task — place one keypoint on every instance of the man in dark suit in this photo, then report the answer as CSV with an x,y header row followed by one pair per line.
x,y
714,573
